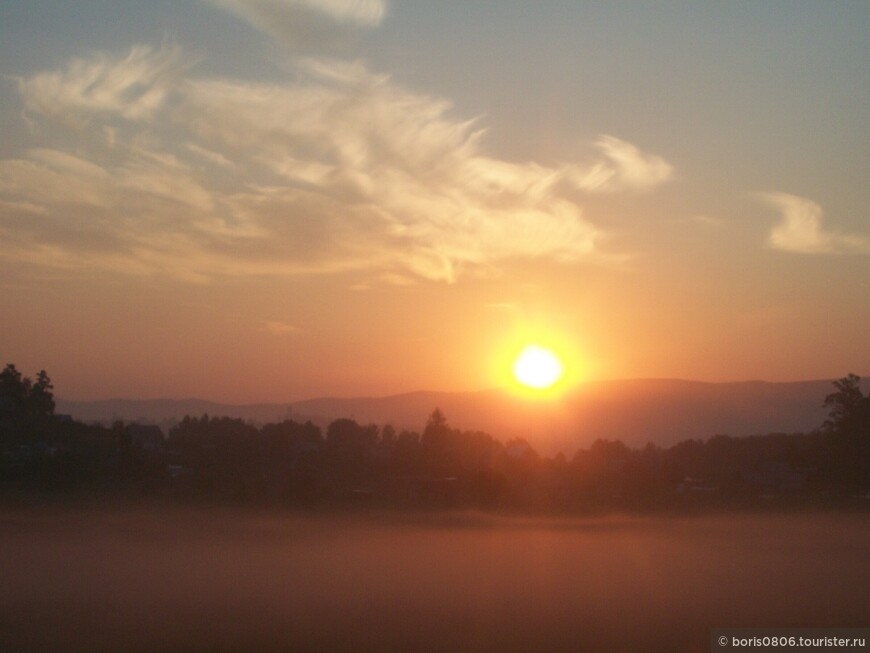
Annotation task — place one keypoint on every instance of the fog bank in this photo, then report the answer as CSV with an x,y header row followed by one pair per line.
x,y
224,580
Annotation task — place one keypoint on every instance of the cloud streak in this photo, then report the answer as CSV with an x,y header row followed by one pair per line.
x,y
624,167
800,229
338,169
133,88
307,25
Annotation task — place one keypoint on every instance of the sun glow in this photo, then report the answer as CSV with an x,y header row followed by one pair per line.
x,y
537,367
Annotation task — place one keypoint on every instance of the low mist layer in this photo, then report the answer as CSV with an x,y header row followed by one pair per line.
x,y
179,579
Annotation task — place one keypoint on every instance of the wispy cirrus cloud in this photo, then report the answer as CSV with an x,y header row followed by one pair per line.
x,y
308,25
86,89
623,167
337,169
800,228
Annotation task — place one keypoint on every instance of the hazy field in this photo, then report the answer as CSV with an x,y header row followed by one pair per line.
x,y
149,580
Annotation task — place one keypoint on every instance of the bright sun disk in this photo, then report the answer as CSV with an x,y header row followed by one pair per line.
x,y
537,367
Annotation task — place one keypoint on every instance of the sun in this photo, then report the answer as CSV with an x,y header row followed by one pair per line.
x,y
537,367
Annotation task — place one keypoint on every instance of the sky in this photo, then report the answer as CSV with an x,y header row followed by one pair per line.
x,y
273,200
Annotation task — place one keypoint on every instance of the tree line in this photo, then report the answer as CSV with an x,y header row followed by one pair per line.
x,y
297,464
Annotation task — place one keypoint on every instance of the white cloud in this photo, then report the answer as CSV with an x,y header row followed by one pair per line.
x,y
624,167
339,169
800,228
309,25
51,177
163,176
134,88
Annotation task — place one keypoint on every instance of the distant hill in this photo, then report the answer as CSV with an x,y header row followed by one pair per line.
x,y
634,411
166,412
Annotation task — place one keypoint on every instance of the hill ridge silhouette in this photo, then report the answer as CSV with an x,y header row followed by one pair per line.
x,y
636,411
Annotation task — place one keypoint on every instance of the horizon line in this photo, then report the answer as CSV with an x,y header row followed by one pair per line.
x,y
505,389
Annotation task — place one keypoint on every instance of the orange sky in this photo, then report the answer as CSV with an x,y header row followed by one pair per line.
x,y
266,200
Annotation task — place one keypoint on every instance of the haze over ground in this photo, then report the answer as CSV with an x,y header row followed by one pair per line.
x,y
263,581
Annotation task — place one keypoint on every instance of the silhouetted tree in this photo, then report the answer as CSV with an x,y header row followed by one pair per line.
x,y
437,445
291,460
388,435
848,408
228,459
41,399
13,389
222,452
405,455
436,432
848,424
347,440
25,407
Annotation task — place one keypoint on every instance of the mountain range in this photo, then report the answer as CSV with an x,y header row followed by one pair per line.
x,y
661,411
